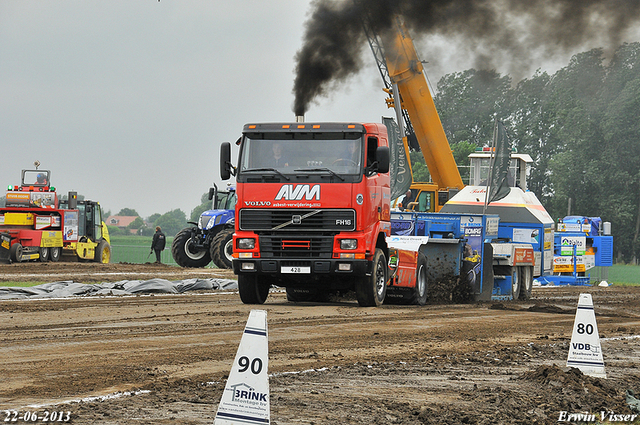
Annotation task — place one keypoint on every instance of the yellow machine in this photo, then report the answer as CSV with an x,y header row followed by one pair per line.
x,y
93,242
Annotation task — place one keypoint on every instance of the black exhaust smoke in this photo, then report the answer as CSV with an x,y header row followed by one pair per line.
x,y
517,31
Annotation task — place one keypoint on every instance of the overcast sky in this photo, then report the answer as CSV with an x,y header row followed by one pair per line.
x,y
126,102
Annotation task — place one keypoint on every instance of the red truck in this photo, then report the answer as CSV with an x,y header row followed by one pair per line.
x,y
313,210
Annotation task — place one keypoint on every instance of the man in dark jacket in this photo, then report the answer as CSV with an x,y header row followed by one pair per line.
x,y
158,243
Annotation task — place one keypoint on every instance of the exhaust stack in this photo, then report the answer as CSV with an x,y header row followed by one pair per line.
x,y
299,118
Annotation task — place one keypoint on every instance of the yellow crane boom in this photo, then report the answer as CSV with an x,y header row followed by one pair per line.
x,y
406,71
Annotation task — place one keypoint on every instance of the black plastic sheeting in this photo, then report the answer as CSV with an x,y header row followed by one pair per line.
x,y
67,289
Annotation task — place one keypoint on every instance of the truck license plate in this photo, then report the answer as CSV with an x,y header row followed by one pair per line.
x,y
295,270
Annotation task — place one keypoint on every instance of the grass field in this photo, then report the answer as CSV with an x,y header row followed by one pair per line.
x,y
136,249
624,274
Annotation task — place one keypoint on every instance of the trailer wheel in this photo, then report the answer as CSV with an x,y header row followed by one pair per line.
x,y
44,254
15,252
185,254
420,291
371,290
515,282
103,252
221,250
526,282
252,291
55,252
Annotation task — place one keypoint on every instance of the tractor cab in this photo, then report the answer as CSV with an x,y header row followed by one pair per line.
x,y
35,178
34,191
223,200
480,163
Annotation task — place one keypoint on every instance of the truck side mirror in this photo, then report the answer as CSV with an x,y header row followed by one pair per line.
x,y
225,160
382,157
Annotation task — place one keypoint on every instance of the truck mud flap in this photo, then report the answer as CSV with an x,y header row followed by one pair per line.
x,y
5,244
399,295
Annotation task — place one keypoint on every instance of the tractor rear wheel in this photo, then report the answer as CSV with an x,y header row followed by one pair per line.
x,y
184,250
221,250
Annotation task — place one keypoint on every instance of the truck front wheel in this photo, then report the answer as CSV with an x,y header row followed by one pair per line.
x,y
222,249
252,291
371,290
185,251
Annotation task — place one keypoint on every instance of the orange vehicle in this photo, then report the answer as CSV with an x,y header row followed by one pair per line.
x,y
316,222
36,225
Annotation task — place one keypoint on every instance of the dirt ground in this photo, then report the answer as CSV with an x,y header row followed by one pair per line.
x,y
163,359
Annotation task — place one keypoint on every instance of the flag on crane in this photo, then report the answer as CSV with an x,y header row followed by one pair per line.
x,y
498,179
399,164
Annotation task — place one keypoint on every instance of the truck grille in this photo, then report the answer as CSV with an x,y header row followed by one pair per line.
x,y
296,246
296,220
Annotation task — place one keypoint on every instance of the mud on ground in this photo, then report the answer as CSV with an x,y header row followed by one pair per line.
x,y
163,359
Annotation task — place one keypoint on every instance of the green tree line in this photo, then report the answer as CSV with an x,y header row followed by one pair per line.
x,y
171,222
580,126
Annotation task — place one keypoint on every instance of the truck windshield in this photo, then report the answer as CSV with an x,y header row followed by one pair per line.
x,y
333,154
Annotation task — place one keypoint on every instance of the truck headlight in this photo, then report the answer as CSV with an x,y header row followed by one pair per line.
x,y
348,243
246,243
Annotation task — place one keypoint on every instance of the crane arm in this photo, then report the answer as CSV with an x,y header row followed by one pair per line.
x,y
406,71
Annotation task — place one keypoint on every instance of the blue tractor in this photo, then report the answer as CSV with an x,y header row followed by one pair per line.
x,y
211,238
